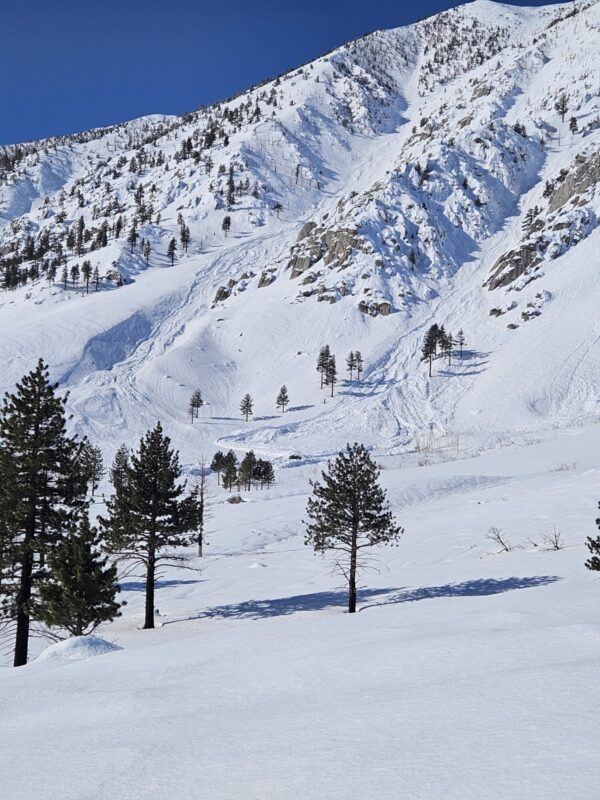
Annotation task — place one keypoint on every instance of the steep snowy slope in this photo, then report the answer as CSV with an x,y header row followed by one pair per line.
x,y
416,175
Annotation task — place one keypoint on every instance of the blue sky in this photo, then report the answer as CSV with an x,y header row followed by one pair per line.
x,y
69,65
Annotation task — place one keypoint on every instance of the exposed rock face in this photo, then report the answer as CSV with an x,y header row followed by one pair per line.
x,y
374,308
223,293
583,178
266,279
512,265
314,243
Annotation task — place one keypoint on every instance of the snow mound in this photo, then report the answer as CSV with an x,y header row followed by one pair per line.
x,y
76,649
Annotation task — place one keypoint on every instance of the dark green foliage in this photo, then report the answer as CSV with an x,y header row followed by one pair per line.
x,y
218,464
91,465
246,406
331,373
322,361
196,403
246,470
230,474
148,517
351,363
282,398
593,545
349,513
358,363
263,473
79,591
171,250
41,493
429,348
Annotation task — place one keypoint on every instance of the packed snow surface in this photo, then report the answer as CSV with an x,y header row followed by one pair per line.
x,y
415,176
76,649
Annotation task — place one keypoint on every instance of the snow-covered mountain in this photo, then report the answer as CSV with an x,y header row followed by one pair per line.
x,y
448,173
415,175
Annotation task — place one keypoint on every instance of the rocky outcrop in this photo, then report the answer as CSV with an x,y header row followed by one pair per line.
x,y
375,308
223,292
266,279
315,243
584,177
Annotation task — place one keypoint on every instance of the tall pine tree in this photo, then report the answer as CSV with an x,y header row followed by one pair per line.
x,y
349,513
42,493
148,517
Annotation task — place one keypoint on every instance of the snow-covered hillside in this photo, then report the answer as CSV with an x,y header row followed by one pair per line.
x,y
414,176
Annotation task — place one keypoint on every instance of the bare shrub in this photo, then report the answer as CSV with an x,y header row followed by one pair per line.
x,y
553,540
496,536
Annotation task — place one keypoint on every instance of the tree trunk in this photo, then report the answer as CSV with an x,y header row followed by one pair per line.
x,y
430,365
352,575
23,598
150,570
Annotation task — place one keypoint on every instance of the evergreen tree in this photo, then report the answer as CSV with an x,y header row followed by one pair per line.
x,y
358,362
331,373
573,127
200,510
264,473
461,341
562,105
226,226
41,494
196,403
146,251
246,406
322,361
351,363
64,277
230,475
86,271
75,275
348,513
593,545
79,591
282,399
217,464
133,237
91,465
96,278
246,470
429,347
230,189
171,250
185,238
157,517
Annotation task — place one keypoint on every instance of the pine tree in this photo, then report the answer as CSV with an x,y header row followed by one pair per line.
x,y
200,508
133,237
461,341
64,277
573,127
348,513
562,105
185,238
196,403
217,464
230,189
429,347
246,406
593,545
230,474
157,517
322,361
263,473
86,271
41,494
226,226
282,398
331,374
171,250
146,251
358,361
96,278
74,275
91,465
79,591
246,470
351,363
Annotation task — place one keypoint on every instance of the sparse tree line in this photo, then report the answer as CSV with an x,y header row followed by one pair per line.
x,y
250,471
439,342
59,570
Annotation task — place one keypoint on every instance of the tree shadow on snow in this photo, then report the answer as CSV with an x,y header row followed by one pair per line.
x,y
476,588
282,606
140,586
300,408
